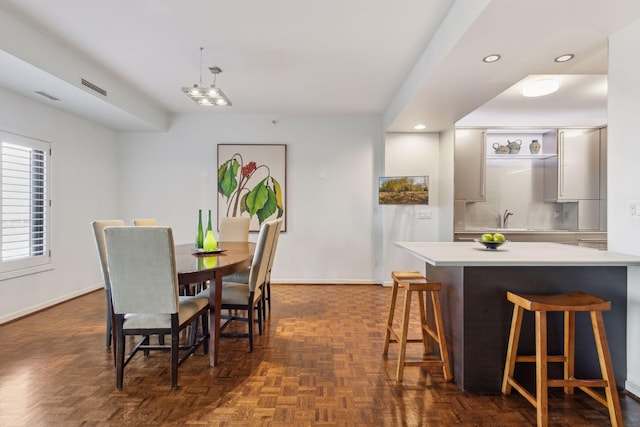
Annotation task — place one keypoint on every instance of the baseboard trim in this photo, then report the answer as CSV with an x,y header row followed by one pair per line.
x,y
632,388
47,304
324,282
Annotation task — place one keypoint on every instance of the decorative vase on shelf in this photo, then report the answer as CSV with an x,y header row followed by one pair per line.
x,y
199,232
534,147
210,242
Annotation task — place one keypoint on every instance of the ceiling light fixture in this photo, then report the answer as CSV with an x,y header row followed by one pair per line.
x,y
420,126
210,95
540,87
564,58
491,58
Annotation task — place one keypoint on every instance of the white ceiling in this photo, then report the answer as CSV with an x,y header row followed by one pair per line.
x,y
285,57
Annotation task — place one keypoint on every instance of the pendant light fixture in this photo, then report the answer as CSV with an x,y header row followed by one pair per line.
x,y
207,95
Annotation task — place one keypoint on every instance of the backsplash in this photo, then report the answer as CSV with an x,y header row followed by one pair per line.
x,y
516,185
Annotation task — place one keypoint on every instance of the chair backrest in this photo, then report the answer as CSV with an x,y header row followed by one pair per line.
x,y
98,232
234,229
260,262
274,245
145,222
142,265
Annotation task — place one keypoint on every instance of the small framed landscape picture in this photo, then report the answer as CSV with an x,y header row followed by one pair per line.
x,y
403,190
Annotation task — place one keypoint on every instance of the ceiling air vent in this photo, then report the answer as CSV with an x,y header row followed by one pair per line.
x,y
94,88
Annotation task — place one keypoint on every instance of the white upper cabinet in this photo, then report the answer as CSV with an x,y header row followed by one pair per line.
x,y
470,165
575,173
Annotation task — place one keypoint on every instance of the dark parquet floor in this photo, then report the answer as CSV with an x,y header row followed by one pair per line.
x,y
318,363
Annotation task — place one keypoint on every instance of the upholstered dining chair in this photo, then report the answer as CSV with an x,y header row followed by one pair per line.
x,y
234,229
243,276
145,222
144,291
266,299
248,296
98,232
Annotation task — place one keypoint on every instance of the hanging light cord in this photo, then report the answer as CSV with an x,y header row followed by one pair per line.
x,y
201,49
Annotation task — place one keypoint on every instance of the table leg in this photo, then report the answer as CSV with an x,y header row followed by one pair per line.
x,y
215,301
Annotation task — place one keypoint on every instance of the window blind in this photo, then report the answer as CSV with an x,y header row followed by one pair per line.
x,y
25,204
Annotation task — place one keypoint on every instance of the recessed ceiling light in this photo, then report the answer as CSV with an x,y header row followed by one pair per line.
x,y
564,58
420,127
491,58
540,87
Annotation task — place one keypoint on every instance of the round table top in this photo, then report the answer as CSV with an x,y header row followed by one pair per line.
x,y
194,267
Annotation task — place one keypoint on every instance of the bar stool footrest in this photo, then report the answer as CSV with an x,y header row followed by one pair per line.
x,y
576,383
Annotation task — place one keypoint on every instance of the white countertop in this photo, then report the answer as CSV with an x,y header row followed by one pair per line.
x,y
514,254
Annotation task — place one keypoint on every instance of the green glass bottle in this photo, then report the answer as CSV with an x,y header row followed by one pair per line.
x,y
199,232
210,242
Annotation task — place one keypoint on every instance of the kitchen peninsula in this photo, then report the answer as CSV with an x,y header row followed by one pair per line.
x,y
477,314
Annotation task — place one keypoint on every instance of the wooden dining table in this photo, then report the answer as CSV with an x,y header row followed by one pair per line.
x,y
198,268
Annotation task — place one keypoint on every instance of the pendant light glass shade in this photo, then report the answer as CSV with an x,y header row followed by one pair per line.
x,y
207,95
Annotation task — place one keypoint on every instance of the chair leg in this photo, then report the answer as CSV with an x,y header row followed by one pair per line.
x,y
259,315
423,323
120,344
250,321
264,301
109,316
193,332
205,332
145,342
542,389
442,340
175,343
604,357
269,294
512,348
403,337
392,308
569,347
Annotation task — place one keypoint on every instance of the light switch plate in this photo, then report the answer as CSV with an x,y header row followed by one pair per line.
x,y
424,214
634,208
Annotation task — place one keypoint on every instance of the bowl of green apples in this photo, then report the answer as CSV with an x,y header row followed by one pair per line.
x,y
491,241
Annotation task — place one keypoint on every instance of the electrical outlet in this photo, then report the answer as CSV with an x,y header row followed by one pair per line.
x,y
634,208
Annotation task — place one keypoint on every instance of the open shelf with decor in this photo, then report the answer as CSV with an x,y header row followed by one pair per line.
x,y
514,143
520,156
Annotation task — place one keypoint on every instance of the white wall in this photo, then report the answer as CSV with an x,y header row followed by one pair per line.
x,y
83,189
624,177
333,163
408,154
445,187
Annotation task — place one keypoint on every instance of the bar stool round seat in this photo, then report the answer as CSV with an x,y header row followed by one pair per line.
x,y
569,304
413,281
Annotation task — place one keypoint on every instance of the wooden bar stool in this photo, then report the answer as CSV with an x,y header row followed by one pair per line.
x,y
569,304
413,281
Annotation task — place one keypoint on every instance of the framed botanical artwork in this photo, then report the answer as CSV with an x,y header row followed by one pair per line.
x,y
403,190
252,182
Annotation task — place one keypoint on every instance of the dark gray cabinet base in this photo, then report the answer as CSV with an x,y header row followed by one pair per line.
x,y
477,319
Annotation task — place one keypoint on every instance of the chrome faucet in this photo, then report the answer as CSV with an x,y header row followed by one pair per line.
x,y
505,218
